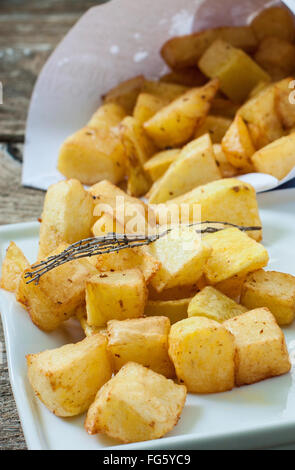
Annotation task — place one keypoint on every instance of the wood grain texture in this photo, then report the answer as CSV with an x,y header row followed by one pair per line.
x,y
29,31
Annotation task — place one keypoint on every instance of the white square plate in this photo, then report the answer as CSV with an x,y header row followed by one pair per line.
x,y
256,416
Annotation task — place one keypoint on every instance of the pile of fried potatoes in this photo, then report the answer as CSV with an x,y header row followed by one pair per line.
x,y
225,108
187,313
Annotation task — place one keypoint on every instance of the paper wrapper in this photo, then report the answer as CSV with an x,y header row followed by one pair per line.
x,y
110,43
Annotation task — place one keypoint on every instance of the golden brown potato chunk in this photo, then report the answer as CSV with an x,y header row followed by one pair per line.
x,y
274,21
67,379
237,145
203,354
273,290
13,266
175,310
216,126
233,253
136,405
141,340
195,166
65,203
160,162
276,159
188,76
237,72
58,294
107,115
276,56
214,305
175,124
227,170
115,295
125,94
261,347
147,105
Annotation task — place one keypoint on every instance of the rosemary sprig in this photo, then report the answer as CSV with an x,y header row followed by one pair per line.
x,y
113,242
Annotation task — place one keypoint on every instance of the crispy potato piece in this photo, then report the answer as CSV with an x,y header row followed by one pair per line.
x,y
89,330
188,76
67,379
226,200
276,159
284,106
194,166
138,148
160,162
185,51
58,294
274,21
147,105
203,354
216,126
136,405
175,310
237,72
233,252
183,256
177,292
130,212
91,155
258,88
214,305
109,114
142,340
273,290
115,295
166,91
261,347
259,113
125,94
232,287
276,56
226,169
237,145
175,124
65,203
223,107
13,266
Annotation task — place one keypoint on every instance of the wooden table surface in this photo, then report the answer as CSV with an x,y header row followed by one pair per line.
x,y
29,31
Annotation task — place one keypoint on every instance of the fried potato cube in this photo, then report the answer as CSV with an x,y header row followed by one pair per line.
x,y
233,252
166,91
273,290
177,292
136,405
125,94
214,305
160,162
284,106
274,21
65,203
237,72
185,51
203,353
188,76
67,379
195,166
107,115
216,126
142,340
130,213
276,159
227,170
115,295
147,105
183,256
175,124
262,119
226,200
58,294
237,145
91,155
276,56
261,347
175,310
13,266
